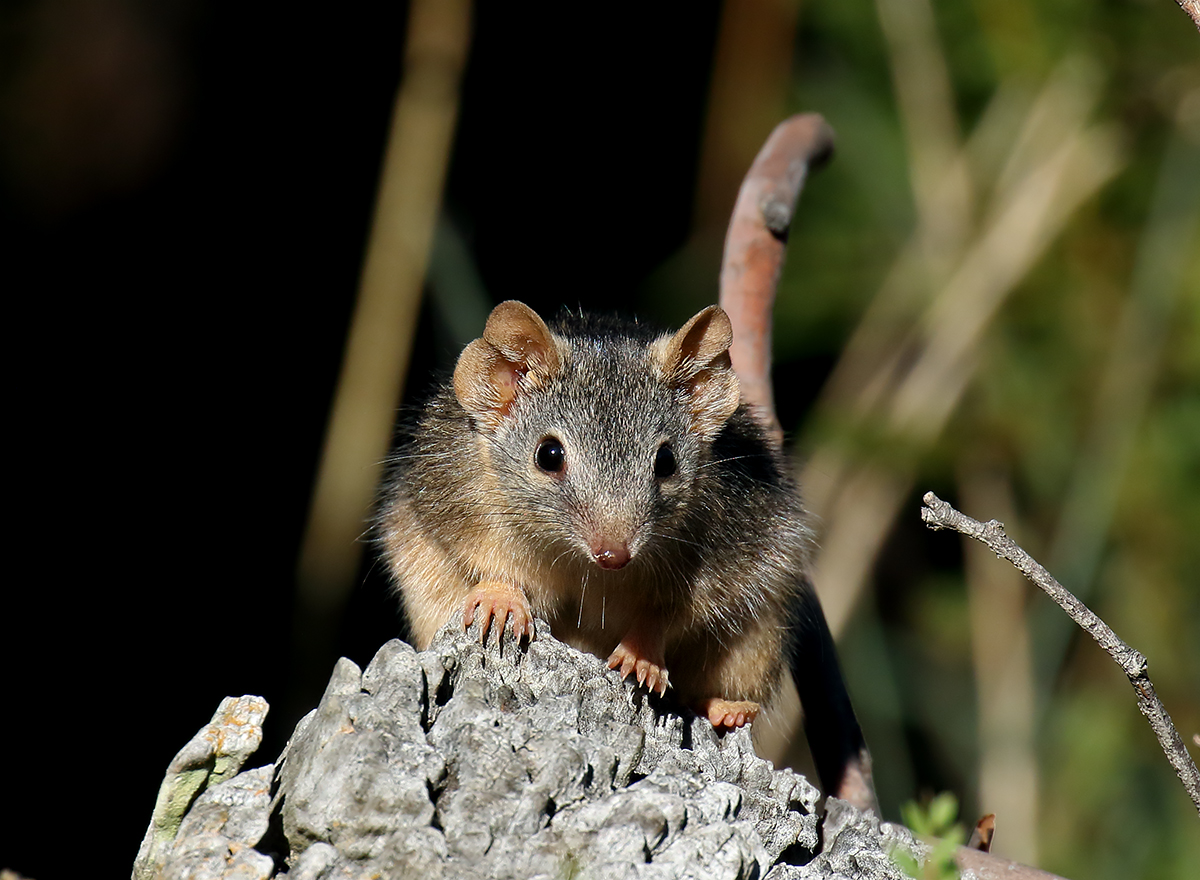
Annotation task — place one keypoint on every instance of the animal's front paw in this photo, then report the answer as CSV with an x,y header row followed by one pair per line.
x,y
496,600
728,714
650,671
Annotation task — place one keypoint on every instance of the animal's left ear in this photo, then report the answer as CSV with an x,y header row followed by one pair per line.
x,y
696,360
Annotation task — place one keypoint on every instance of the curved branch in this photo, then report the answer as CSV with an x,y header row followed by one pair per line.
x,y
754,250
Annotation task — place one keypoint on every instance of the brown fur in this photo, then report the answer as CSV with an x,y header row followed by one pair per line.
x,y
715,547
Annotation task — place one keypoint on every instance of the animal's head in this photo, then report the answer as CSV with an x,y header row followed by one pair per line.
x,y
597,432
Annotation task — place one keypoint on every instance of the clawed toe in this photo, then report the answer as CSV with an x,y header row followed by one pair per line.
x,y
500,602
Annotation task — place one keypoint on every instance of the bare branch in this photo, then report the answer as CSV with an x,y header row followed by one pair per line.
x,y
937,514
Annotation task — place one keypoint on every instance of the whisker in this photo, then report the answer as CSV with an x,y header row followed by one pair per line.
x,y
582,598
729,459
672,537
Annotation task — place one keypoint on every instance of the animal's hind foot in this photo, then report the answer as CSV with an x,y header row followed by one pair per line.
x,y
728,714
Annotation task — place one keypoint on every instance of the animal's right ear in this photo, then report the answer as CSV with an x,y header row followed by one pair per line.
x,y
515,354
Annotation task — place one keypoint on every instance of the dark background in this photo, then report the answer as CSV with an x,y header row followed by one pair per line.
x,y
176,329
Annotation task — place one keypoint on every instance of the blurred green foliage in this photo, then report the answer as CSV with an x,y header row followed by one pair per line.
x,y
1085,395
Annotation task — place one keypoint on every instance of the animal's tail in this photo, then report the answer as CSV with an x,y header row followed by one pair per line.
x,y
836,741
754,249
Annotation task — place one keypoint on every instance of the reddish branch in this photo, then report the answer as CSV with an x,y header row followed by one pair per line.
x,y
989,866
754,249
937,514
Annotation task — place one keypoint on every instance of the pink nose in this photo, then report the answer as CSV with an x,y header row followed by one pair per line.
x,y
611,557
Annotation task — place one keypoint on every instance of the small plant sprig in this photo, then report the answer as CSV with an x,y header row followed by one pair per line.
x,y
934,823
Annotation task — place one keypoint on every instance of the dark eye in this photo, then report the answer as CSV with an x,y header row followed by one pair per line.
x,y
550,456
664,462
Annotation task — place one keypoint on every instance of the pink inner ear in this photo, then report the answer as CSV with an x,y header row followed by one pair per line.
x,y
506,377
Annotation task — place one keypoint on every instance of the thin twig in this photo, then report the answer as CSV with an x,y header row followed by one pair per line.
x,y
1192,8
937,514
